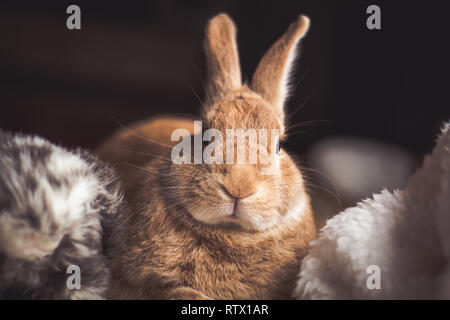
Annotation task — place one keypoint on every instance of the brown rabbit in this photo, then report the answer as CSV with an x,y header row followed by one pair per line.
x,y
216,231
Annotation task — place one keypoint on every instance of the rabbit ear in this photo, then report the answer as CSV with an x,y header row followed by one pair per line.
x,y
224,72
271,77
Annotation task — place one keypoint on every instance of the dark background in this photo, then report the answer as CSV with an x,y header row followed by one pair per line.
x,y
135,59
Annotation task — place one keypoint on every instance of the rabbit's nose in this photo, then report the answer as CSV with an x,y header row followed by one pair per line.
x,y
240,182
236,193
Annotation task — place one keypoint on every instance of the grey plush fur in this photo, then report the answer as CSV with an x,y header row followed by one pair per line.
x,y
57,208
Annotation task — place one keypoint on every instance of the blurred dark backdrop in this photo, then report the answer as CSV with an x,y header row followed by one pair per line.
x,y
135,59
139,58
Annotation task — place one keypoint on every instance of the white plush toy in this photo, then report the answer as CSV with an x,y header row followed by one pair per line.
x,y
394,246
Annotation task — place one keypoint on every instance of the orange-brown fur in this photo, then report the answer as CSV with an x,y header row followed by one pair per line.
x,y
178,244
215,262
137,145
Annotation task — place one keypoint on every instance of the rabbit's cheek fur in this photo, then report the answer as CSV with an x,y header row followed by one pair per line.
x,y
240,195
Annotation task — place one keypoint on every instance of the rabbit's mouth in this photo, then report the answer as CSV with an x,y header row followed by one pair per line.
x,y
237,211
234,212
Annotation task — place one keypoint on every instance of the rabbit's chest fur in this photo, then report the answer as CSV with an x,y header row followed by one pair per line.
x,y
166,249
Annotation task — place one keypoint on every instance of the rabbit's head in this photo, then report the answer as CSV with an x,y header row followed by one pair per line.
x,y
254,195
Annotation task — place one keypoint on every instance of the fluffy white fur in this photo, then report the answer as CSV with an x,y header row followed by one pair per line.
x,y
406,233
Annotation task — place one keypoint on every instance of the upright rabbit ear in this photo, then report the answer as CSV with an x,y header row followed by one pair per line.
x,y
224,72
271,78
